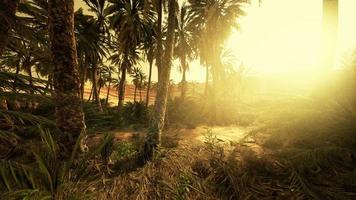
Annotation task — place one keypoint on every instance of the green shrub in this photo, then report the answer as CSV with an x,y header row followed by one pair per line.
x,y
188,113
135,113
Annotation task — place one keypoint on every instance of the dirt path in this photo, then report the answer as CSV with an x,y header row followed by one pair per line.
x,y
225,133
184,136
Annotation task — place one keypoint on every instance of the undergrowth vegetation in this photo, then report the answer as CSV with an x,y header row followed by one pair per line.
x,y
297,148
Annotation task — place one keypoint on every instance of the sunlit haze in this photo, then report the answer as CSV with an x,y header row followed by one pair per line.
x,y
280,37
283,37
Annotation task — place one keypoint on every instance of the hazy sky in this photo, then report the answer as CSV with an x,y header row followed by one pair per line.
x,y
280,36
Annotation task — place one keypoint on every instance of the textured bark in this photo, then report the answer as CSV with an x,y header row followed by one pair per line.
x,y
149,84
153,139
140,92
122,86
91,93
159,37
329,34
69,111
83,77
96,92
108,91
7,20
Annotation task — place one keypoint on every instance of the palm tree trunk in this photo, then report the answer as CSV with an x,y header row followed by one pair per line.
x,y
140,93
149,84
100,86
69,111
7,17
153,138
135,93
83,78
91,93
184,85
108,91
159,36
122,85
95,86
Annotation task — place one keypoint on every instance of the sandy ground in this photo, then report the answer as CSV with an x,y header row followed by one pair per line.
x,y
191,136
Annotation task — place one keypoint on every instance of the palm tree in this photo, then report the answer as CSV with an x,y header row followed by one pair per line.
x,y
142,83
153,42
69,111
153,138
150,47
93,36
130,19
107,72
185,40
138,79
135,75
214,20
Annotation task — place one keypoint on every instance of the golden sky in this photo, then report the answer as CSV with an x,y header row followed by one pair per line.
x,y
281,37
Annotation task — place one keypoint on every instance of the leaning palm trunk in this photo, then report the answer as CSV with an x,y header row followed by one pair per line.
x,y
96,92
184,85
149,84
69,111
153,139
108,91
83,78
122,85
140,92
159,36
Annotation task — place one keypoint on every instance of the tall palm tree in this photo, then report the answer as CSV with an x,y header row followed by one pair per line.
x,y
93,37
214,20
135,75
97,7
107,72
185,39
329,33
130,19
153,47
142,83
138,79
150,48
153,138
69,111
